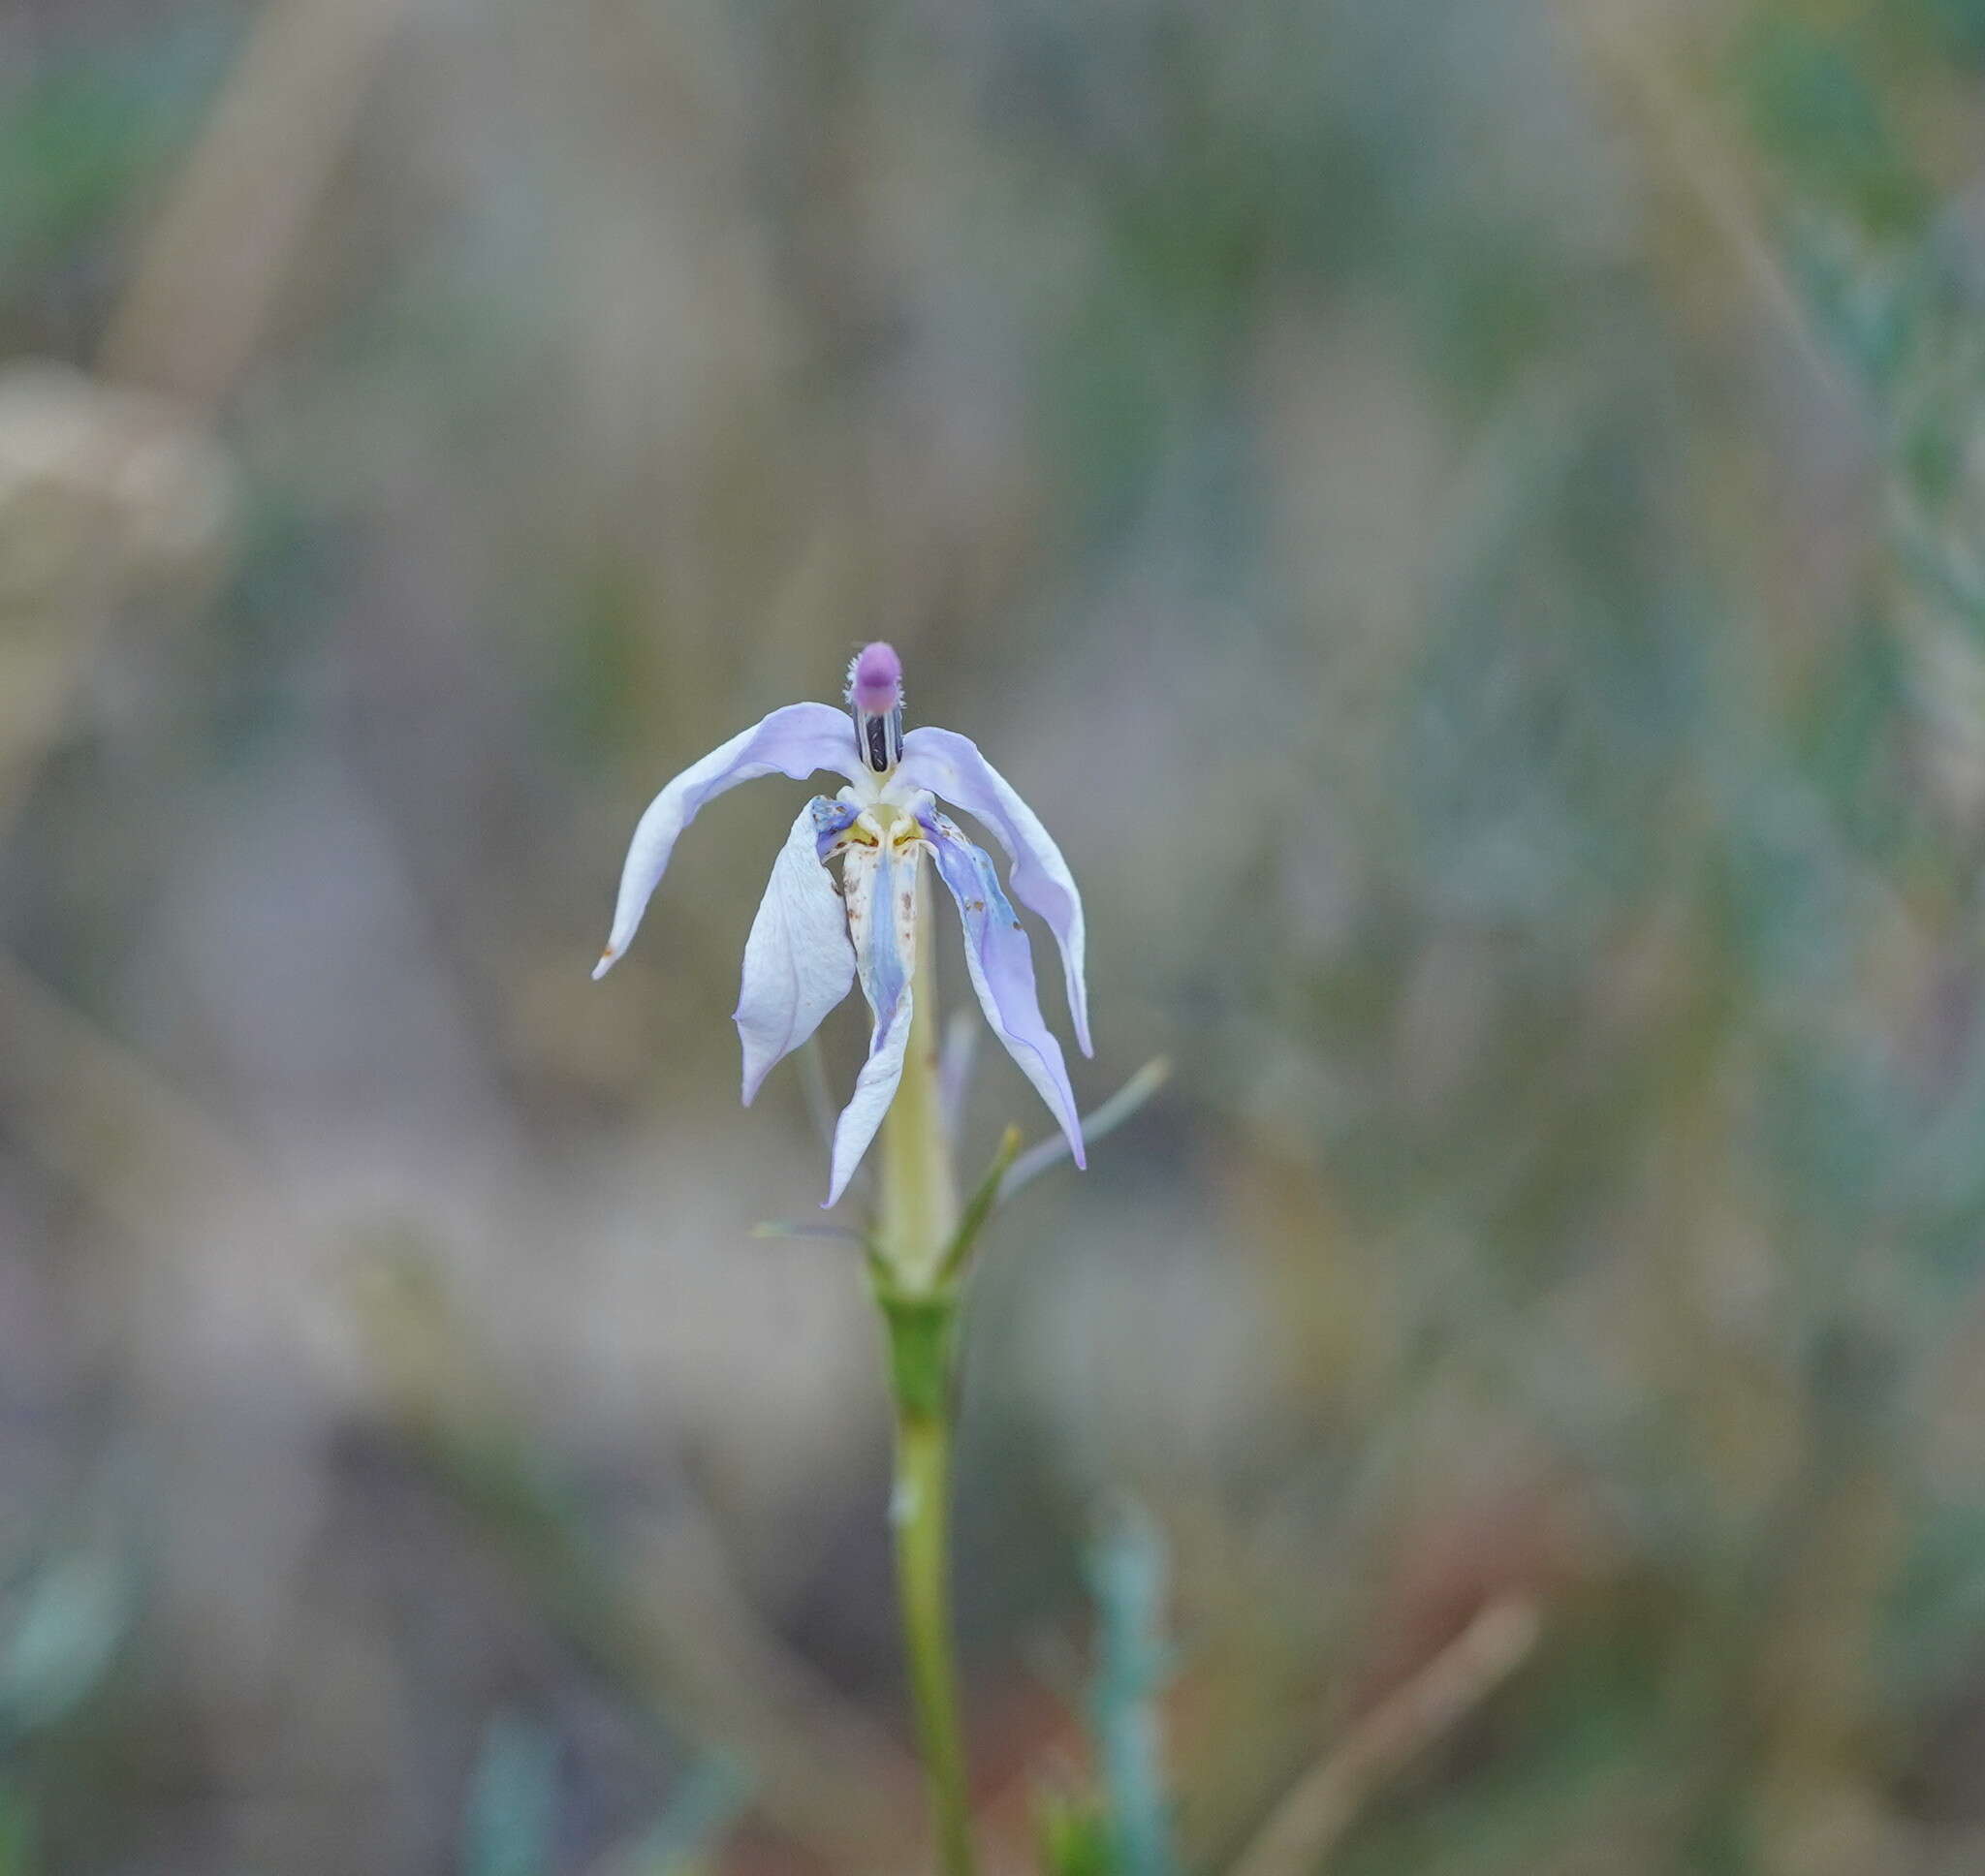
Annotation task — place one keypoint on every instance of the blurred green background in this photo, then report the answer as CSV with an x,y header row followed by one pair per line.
x,y
1467,519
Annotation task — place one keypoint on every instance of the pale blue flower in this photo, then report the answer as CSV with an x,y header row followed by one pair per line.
x,y
810,940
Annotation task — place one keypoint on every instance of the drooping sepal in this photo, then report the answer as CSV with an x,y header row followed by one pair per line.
x,y
1001,964
796,742
798,961
950,767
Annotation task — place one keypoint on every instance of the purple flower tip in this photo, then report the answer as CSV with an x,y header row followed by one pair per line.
x,y
875,679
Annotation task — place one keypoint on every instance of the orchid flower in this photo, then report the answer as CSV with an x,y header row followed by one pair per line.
x,y
810,940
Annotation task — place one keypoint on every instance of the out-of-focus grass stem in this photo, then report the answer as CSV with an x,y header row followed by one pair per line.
x,y
1314,1815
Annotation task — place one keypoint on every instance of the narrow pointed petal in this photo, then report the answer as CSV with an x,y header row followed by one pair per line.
x,y
798,961
873,879
796,742
874,1089
1002,967
884,941
950,767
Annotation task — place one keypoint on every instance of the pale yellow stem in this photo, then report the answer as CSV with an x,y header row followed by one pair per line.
x,y
919,1198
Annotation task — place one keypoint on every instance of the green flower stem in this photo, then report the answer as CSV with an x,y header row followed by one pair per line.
x,y
921,1335
920,1307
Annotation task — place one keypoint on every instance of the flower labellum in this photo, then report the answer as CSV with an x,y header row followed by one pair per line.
x,y
811,943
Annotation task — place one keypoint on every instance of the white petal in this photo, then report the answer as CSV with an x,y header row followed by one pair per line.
x,y
951,768
876,881
874,1089
872,878
798,961
796,742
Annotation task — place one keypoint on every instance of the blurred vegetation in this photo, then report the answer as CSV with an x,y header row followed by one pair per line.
x,y
1464,516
